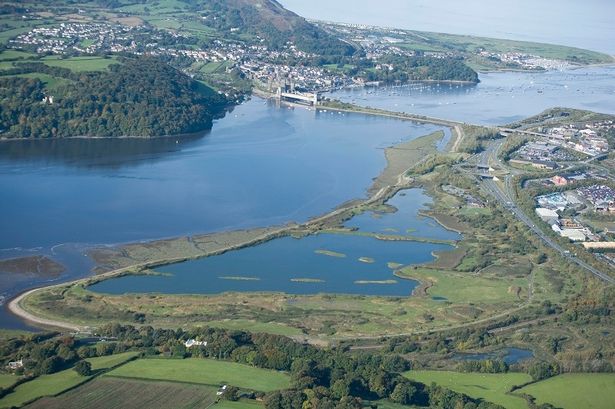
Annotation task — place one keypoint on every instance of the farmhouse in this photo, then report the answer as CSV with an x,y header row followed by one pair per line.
x,y
193,342
15,364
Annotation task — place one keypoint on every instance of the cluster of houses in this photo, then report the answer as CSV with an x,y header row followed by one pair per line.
x,y
588,139
88,38
255,61
526,61
270,76
379,42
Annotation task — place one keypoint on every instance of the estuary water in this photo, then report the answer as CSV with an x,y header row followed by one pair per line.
x,y
499,98
406,220
261,165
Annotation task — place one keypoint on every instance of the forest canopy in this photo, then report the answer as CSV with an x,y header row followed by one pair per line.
x,y
139,97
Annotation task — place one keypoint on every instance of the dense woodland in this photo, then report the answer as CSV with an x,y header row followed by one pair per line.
x,y
138,97
421,68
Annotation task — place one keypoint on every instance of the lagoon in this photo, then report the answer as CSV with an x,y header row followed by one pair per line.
x,y
323,263
406,220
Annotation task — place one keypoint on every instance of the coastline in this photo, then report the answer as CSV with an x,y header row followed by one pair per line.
x,y
197,134
379,193
16,309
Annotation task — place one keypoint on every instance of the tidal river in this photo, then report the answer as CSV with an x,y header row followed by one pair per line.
x,y
499,98
259,166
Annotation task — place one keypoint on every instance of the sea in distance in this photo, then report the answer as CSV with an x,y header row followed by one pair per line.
x,y
585,24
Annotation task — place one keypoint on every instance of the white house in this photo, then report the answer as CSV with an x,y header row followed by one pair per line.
x,y
193,342
15,364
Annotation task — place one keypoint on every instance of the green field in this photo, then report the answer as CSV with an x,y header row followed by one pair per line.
x,y
14,54
49,81
490,387
49,385
45,385
111,361
255,326
575,391
80,64
459,287
7,380
205,372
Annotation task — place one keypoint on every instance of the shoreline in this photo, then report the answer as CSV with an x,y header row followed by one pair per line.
x,y
197,134
15,308
435,217
312,226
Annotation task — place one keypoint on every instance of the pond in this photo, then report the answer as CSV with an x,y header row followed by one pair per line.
x,y
406,220
508,355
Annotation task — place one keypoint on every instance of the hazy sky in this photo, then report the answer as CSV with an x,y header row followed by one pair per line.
x,y
582,23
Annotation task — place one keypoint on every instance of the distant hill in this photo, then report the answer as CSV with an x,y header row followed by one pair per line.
x,y
269,20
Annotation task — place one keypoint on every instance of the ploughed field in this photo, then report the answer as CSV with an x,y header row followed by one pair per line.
x,y
111,393
56,383
167,383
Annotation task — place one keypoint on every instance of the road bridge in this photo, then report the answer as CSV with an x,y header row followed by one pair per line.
x,y
300,97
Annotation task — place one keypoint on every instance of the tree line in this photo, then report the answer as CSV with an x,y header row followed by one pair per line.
x,y
320,378
421,68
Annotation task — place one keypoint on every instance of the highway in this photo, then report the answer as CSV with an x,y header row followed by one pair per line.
x,y
504,196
